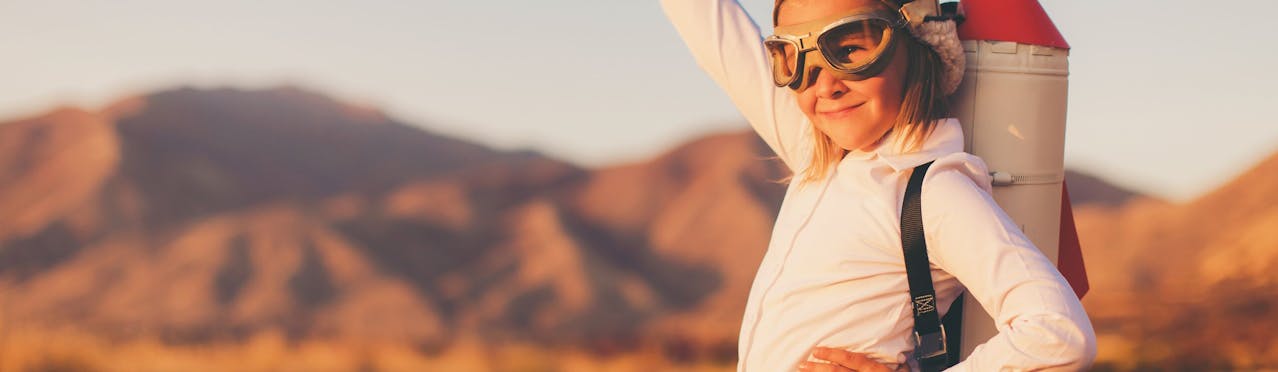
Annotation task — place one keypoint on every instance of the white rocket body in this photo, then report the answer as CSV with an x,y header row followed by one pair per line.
x,y
1012,106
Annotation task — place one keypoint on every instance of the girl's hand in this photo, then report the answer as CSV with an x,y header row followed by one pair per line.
x,y
842,360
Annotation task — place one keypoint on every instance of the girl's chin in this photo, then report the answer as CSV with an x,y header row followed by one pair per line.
x,y
860,143
850,145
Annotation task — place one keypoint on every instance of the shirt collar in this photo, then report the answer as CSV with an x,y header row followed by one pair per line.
x,y
945,139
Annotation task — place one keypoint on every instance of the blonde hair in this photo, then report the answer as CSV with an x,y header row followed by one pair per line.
x,y
923,104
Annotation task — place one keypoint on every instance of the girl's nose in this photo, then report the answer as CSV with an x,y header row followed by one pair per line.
x,y
826,86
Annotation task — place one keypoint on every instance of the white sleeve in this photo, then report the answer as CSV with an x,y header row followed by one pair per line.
x,y
726,44
1041,323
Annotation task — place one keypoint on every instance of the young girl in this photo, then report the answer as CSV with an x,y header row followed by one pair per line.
x,y
851,95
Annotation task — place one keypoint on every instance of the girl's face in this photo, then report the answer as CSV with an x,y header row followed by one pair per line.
x,y
854,114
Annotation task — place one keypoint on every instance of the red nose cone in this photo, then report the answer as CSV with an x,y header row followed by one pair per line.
x,y
1022,21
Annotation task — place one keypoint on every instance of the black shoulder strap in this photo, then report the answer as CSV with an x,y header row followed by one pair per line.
x,y
931,347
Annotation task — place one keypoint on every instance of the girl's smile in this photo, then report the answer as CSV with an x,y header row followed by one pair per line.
x,y
839,113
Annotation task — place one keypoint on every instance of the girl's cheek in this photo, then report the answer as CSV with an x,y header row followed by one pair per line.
x,y
807,102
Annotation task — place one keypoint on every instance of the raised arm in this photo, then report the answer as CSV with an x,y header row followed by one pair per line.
x,y
727,45
1041,324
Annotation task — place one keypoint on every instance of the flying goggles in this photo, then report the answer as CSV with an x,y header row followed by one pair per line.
x,y
856,45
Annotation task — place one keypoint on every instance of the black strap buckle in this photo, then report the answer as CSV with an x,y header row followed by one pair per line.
x,y
930,345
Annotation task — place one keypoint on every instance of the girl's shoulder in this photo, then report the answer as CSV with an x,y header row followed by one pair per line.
x,y
956,175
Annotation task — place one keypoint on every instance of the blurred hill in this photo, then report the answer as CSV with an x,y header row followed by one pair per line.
x,y
1191,286
1085,189
212,216
188,218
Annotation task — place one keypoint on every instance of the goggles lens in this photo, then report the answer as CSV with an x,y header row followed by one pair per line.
x,y
852,46
785,60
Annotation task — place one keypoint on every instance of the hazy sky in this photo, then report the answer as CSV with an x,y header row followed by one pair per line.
x,y
1168,97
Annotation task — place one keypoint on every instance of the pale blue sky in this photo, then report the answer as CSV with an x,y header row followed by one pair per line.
x,y
1169,97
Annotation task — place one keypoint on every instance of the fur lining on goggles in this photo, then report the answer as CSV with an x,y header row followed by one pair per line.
x,y
942,36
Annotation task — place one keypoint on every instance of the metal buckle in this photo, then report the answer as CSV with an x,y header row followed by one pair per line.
x,y
930,345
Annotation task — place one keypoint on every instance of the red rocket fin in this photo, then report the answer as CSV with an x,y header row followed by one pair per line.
x,y
1022,21
1070,260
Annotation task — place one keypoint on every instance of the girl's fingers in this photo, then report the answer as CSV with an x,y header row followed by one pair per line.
x,y
849,360
822,367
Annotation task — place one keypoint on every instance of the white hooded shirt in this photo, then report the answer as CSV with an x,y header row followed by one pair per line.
x,y
834,272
